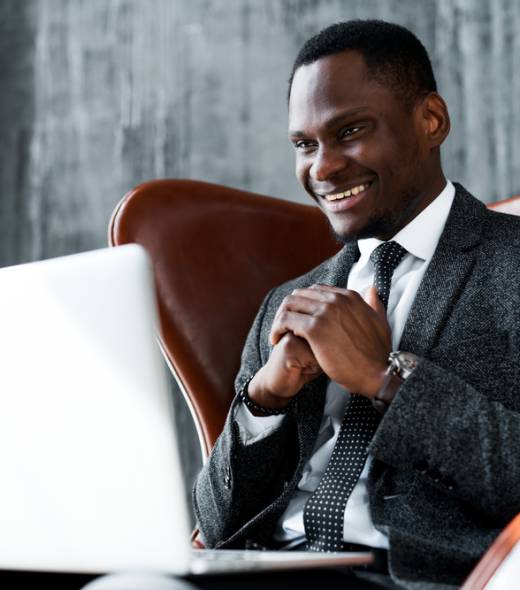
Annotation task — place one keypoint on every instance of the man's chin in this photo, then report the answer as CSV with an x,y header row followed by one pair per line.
x,y
381,228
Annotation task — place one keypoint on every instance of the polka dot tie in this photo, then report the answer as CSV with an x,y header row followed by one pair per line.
x,y
324,511
385,259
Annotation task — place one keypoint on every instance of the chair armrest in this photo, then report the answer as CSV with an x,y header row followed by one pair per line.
x,y
196,541
487,567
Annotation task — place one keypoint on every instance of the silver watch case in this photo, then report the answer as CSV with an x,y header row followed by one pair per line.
x,y
402,363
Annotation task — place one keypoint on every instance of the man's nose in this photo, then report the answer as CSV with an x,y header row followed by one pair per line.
x,y
327,163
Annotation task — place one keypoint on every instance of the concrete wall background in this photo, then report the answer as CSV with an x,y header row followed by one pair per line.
x,y
98,96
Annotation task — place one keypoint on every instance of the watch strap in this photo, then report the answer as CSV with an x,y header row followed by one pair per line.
x,y
401,365
386,394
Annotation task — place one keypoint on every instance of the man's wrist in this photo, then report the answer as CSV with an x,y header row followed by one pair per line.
x,y
260,402
384,397
400,367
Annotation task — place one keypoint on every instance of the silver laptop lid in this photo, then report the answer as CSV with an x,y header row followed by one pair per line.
x,y
88,457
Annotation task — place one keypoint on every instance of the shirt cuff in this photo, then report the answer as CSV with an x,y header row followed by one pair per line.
x,y
255,428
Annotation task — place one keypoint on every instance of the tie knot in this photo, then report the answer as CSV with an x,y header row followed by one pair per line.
x,y
385,259
388,255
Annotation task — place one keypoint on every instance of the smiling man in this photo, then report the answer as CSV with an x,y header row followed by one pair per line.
x,y
377,403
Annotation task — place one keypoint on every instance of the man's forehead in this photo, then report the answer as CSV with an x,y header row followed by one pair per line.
x,y
331,86
332,71
335,86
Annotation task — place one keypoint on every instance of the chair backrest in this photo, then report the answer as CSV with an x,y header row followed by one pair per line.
x,y
216,252
511,206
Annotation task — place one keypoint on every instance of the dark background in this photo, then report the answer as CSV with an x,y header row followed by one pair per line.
x,y
97,96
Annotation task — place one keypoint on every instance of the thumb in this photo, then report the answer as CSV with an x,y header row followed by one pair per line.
x,y
372,298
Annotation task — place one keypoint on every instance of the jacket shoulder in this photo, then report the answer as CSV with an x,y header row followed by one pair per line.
x,y
503,229
324,273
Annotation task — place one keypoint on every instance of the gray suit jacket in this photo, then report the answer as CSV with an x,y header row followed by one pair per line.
x,y
445,476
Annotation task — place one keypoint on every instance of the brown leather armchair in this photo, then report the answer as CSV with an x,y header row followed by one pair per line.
x,y
216,252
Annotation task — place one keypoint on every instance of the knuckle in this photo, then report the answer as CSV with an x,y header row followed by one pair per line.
x,y
323,310
289,343
285,303
282,316
353,295
313,326
285,344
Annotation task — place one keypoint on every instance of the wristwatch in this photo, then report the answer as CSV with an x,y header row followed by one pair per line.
x,y
401,366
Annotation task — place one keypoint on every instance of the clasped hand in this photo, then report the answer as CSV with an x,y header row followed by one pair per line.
x,y
327,329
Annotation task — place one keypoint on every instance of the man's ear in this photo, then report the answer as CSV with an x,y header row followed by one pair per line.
x,y
434,119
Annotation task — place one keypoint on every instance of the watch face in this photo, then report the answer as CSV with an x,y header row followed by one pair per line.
x,y
408,363
404,362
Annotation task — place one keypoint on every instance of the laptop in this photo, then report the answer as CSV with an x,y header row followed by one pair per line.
x,y
91,478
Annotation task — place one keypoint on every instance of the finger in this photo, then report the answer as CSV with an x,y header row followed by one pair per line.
x,y
372,298
331,289
333,295
289,321
313,293
328,289
298,349
303,304
302,365
297,304
296,344
315,370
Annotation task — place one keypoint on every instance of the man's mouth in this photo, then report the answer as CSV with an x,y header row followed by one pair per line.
x,y
347,194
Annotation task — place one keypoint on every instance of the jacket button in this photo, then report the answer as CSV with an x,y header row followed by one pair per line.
x,y
449,483
436,475
421,467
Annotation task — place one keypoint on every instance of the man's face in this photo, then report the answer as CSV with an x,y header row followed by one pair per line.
x,y
360,153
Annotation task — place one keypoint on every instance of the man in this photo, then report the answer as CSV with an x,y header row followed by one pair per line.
x,y
427,273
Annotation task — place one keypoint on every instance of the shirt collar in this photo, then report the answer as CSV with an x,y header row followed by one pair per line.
x,y
421,236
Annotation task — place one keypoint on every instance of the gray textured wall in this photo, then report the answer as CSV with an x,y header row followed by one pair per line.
x,y
98,96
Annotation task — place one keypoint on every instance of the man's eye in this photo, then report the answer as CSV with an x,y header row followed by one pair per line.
x,y
349,131
303,144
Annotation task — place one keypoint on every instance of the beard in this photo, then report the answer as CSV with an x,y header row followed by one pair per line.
x,y
383,225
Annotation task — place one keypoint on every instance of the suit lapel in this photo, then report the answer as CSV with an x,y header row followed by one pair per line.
x,y
336,273
446,275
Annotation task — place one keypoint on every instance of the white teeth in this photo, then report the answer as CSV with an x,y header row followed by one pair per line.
x,y
352,192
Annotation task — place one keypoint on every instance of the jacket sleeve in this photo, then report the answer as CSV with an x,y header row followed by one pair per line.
x,y
239,481
456,438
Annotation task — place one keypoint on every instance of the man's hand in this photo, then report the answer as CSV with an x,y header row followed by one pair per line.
x,y
290,366
349,337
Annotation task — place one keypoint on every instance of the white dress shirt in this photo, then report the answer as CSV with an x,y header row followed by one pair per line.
x,y
420,238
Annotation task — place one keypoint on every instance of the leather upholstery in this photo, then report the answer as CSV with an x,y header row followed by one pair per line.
x,y
216,252
511,206
494,557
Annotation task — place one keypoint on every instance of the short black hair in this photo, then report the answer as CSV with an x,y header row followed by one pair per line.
x,y
393,55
